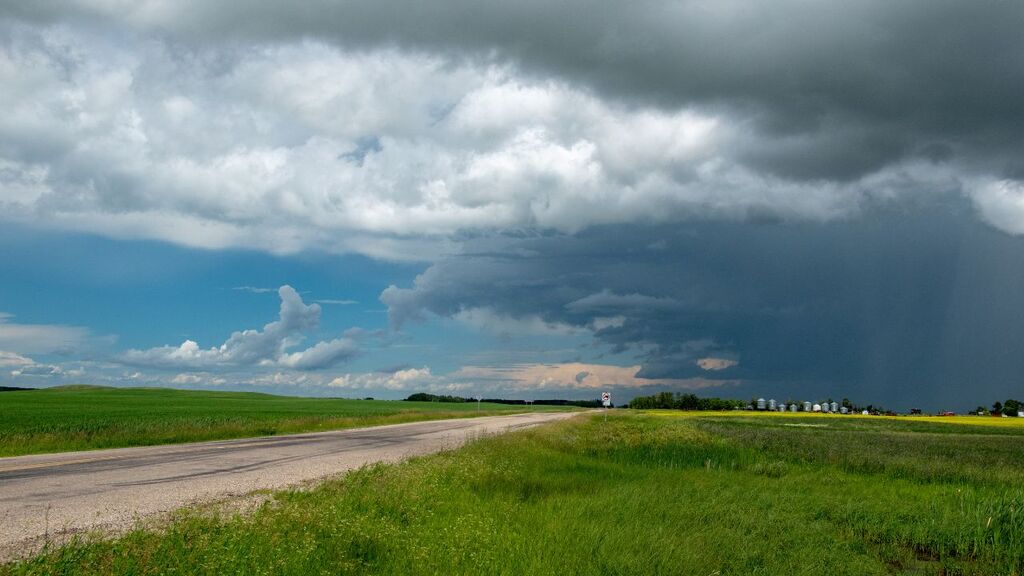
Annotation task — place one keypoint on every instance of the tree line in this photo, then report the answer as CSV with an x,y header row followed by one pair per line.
x,y
679,401
1009,408
425,397
668,400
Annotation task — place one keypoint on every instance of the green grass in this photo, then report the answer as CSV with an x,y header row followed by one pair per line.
x,y
88,417
907,449
633,494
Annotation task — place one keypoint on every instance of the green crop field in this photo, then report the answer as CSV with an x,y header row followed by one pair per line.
x,y
636,493
87,417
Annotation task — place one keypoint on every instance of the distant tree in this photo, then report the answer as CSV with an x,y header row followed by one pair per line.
x,y
1011,407
687,402
981,411
424,397
664,400
997,408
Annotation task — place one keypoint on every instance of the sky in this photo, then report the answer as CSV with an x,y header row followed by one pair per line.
x,y
797,199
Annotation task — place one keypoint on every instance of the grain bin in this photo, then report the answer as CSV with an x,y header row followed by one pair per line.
x,y
816,408
760,403
771,404
792,407
807,406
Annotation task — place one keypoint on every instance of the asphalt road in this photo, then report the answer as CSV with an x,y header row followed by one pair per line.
x,y
50,496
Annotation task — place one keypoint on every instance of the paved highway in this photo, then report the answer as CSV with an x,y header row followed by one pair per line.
x,y
51,496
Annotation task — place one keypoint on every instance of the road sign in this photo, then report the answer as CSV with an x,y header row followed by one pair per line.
x,y
606,399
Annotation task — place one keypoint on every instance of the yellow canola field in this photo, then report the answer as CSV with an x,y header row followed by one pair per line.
x,y
968,420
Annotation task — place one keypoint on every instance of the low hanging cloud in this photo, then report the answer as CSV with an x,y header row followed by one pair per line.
x,y
193,379
716,364
38,370
19,366
506,326
609,302
256,348
573,376
40,338
406,379
12,360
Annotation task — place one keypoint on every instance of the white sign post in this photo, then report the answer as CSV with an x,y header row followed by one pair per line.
x,y
606,399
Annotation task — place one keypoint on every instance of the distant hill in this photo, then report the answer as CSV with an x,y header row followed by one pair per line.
x,y
81,387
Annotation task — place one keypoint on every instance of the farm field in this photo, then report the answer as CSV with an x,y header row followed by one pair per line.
x,y
88,417
636,493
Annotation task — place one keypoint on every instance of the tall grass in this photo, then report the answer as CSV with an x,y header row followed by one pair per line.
x,y
631,495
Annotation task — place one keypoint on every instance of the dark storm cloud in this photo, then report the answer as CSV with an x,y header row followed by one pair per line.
x,y
914,307
840,89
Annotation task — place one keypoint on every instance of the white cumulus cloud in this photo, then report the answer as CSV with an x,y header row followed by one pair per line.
x,y
406,379
267,347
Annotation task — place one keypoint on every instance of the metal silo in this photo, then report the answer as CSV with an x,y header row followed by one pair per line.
x,y
760,403
834,407
792,407
771,404
816,408
843,410
807,406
